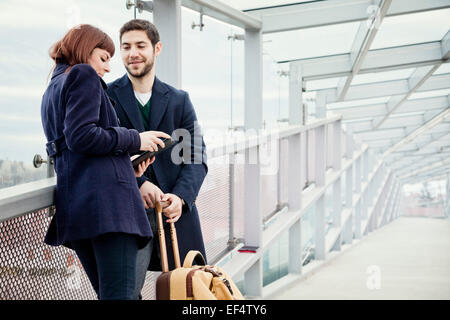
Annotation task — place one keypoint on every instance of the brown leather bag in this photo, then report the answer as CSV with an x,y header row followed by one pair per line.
x,y
190,282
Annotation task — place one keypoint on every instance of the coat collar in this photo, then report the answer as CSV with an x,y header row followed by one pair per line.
x,y
59,68
158,102
62,67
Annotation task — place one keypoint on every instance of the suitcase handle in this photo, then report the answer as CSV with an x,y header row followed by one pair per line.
x,y
162,239
193,256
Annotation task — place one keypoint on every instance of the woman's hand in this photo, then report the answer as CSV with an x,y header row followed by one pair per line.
x,y
139,171
150,140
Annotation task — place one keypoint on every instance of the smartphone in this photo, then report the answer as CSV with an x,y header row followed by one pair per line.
x,y
137,159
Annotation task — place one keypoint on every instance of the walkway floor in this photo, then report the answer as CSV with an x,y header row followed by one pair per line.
x,y
406,259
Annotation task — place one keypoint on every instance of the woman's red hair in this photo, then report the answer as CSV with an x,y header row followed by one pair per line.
x,y
78,43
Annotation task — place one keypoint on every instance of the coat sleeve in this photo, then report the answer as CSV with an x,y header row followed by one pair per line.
x,y
82,96
194,170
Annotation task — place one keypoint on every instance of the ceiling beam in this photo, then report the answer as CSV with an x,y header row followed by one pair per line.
x,y
322,13
438,165
403,88
425,127
425,144
428,177
378,60
419,76
361,44
409,165
386,88
380,109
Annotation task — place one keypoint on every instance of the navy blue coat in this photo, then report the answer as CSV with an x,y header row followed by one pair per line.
x,y
96,190
170,109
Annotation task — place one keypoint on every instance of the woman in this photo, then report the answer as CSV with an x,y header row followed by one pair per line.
x,y
99,210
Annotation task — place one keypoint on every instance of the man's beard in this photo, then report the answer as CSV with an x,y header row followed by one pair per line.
x,y
147,68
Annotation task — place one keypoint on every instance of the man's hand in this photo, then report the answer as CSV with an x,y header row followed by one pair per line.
x,y
150,194
142,167
173,211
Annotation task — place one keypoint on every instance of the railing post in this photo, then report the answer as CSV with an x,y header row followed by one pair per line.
x,y
320,251
294,202
337,165
337,147
253,277
394,202
253,228
295,94
167,17
349,143
358,175
303,159
364,206
349,187
321,102
357,214
337,208
50,167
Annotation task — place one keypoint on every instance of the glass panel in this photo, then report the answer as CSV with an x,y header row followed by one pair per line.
x,y
444,68
218,96
329,208
322,41
382,76
307,234
358,102
412,28
275,93
429,94
322,84
276,259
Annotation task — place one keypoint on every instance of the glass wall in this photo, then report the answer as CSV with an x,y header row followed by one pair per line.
x,y
276,260
307,234
213,72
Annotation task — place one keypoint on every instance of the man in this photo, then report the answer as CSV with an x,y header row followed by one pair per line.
x,y
144,103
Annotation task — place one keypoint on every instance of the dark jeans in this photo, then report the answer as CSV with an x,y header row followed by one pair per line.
x,y
110,264
144,255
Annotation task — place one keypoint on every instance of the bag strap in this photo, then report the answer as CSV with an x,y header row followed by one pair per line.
x,y
193,255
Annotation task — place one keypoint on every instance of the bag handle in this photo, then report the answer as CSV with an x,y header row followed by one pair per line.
x,y
162,240
193,255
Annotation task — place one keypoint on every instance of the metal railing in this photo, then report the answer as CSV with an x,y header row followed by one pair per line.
x,y
316,158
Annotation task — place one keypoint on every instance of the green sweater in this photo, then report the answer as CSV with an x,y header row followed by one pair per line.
x,y
145,114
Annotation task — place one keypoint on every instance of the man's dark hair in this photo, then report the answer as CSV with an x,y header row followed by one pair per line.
x,y
144,25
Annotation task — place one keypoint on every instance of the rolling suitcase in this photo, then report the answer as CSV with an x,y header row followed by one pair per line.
x,y
190,282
